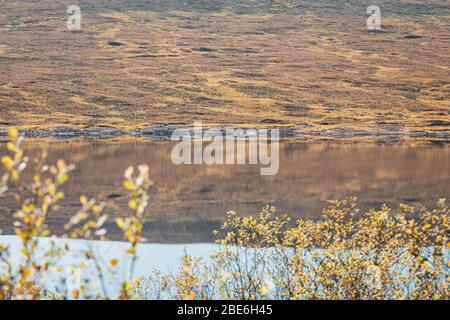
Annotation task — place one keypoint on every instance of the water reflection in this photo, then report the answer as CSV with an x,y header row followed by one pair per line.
x,y
189,201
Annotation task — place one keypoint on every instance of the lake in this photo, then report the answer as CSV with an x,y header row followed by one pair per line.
x,y
188,201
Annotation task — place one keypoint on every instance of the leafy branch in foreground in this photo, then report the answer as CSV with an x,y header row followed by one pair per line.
x,y
346,255
36,199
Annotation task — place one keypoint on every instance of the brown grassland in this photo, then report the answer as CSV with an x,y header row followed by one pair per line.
x,y
305,64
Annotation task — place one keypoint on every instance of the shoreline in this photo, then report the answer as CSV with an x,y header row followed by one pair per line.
x,y
391,134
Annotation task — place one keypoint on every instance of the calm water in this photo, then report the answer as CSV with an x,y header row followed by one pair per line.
x,y
151,257
189,201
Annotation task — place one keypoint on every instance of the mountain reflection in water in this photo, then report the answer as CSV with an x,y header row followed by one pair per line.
x,y
189,201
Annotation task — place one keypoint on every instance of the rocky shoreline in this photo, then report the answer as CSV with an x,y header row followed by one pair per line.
x,y
381,133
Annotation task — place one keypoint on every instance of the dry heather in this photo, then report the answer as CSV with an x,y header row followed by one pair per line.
x,y
306,64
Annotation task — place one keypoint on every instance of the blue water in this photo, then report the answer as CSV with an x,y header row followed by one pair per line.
x,y
163,257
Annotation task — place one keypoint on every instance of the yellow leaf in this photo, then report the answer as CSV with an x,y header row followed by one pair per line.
x,y
13,134
190,296
129,185
59,196
22,235
96,209
25,271
120,223
11,146
83,200
7,162
137,282
28,208
132,204
113,262
51,189
129,172
127,286
14,175
61,164
24,252
62,178
18,155
45,233
264,290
